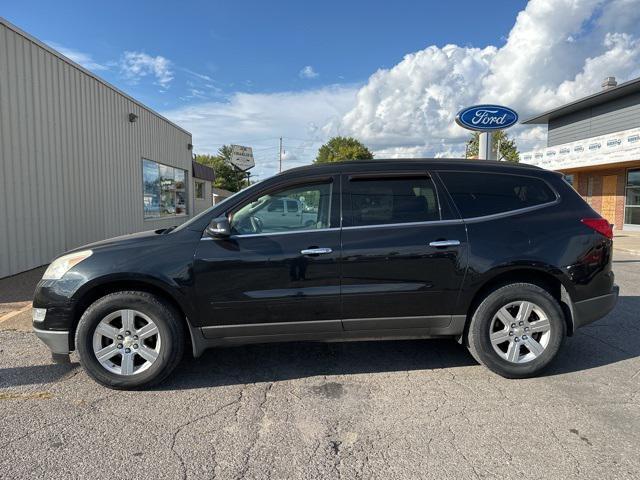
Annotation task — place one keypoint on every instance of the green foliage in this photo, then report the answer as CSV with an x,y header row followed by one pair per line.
x,y
339,149
227,176
508,149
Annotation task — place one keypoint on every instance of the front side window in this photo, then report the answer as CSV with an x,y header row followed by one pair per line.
x,y
392,200
305,207
164,190
477,194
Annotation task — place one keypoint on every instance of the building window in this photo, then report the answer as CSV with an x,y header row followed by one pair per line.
x,y
164,190
632,198
200,190
570,179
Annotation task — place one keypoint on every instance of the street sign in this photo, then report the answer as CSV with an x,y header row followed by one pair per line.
x,y
486,118
242,157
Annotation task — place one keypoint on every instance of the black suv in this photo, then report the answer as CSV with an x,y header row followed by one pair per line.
x,y
506,259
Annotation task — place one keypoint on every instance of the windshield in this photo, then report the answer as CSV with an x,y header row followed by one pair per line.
x,y
208,210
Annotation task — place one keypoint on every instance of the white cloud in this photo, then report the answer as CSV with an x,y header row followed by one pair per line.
x,y
308,72
81,58
258,120
557,51
136,65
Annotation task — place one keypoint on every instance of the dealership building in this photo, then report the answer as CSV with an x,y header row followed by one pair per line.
x,y
80,160
595,142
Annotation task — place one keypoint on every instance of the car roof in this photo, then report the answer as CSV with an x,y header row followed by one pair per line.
x,y
399,163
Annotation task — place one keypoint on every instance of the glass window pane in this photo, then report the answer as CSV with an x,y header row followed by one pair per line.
x,y
164,190
633,196
200,190
632,215
393,200
633,177
151,189
308,209
478,193
276,206
180,176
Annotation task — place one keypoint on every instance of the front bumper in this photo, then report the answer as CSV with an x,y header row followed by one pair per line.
x,y
588,311
56,340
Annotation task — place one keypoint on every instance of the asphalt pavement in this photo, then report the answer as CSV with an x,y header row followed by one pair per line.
x,y
387,410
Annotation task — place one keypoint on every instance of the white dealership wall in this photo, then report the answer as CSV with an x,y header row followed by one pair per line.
x,y
70,159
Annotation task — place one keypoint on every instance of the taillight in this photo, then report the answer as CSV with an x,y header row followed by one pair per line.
x,y
600,225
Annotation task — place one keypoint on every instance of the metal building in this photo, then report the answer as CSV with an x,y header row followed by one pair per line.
x,y
80,160
595,142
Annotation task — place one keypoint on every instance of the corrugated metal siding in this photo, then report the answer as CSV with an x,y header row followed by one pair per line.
x,y
614,116
71,162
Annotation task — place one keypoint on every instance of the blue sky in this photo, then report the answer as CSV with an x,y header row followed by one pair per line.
x,y
392,74
256,46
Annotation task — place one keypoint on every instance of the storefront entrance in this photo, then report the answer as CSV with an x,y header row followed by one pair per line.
x,y
632,201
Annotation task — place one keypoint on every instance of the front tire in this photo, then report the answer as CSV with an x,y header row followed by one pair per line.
x,y
517,330
129,340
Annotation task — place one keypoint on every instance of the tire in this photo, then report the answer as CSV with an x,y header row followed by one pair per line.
x,y
145,356
514,351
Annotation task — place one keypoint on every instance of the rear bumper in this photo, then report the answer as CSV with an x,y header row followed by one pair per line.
x,y
56,340
588,311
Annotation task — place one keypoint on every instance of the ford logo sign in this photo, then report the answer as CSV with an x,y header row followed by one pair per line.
x,y
486,118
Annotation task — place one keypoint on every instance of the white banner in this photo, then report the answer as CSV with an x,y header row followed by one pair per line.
x,y
615,147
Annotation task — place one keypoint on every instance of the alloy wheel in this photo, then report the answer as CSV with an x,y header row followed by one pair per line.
x,y
520,332
126,342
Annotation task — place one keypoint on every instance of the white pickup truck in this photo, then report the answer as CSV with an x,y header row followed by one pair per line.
x,y
287,213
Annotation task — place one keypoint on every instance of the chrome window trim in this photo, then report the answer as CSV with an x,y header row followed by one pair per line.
x,y
271,234
410,224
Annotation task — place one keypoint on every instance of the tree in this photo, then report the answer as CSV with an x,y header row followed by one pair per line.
x,y
339,149
227,176
508,149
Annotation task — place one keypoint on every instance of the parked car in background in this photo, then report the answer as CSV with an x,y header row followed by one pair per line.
x,y
506,259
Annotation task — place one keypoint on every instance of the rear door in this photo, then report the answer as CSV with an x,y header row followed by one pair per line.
x,y
404,252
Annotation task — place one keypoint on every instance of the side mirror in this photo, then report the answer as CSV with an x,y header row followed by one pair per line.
x,y
219,228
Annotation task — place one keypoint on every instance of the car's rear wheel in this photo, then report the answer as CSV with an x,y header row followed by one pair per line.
x,y
129,340
517,330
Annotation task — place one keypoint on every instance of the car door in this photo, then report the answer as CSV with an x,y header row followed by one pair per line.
x,y
404,252
282,279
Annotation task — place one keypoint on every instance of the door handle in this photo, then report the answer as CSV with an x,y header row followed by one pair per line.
x,y
445,243
315,251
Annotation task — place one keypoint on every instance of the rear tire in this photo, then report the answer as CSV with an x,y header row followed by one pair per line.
x,y
130,340
517,330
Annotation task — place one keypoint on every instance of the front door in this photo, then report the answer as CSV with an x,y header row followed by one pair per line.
x,y
403,256
273,275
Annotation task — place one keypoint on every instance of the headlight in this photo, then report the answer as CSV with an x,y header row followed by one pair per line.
x,y
62,265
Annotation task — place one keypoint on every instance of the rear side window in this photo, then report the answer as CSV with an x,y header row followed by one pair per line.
x,y
478,193
392,200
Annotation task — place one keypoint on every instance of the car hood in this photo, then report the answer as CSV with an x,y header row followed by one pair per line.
x,y
123,240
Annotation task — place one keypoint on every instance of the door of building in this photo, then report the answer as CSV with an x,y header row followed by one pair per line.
x,y
632,201
609,183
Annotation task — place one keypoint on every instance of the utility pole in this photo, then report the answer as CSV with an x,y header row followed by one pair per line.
x,y
280,155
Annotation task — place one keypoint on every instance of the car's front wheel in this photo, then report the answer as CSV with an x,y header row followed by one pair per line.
x,y
129,340
517,330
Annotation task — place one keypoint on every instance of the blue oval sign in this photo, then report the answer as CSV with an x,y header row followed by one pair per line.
x,y
485,118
